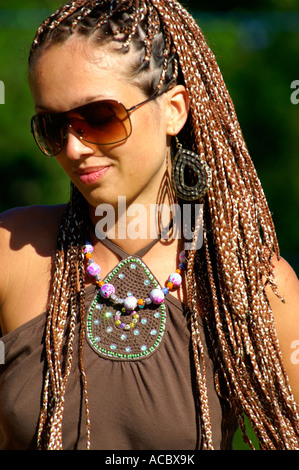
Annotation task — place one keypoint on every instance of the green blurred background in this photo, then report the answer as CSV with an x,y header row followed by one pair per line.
x,y
257,47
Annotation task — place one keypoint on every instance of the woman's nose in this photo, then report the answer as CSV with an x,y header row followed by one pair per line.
x,y
75,147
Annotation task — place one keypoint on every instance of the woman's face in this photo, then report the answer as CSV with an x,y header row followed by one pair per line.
x,y
74,73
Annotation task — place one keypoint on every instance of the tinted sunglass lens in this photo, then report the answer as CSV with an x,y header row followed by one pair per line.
x,y
104,122
48,134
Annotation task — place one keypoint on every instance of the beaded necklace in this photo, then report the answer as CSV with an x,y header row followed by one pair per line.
x,y
131,303
120,324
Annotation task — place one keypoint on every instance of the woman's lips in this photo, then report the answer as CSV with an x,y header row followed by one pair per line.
x,y
91,175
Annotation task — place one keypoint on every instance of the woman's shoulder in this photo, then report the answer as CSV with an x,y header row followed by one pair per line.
x,y
22,215
286,281
285,308
28,239
28,232
29,226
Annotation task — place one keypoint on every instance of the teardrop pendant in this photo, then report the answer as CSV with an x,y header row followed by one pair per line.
x,y
185,158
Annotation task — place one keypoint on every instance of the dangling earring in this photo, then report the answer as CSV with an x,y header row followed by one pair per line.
x,y
202,173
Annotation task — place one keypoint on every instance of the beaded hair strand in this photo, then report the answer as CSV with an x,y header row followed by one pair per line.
x,y
226,278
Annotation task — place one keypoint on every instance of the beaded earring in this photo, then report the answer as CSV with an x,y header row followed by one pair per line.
x,y
202,172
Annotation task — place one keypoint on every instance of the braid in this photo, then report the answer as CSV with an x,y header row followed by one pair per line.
x,y
66,308
226,279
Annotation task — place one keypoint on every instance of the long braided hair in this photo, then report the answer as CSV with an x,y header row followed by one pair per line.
x,y
226,278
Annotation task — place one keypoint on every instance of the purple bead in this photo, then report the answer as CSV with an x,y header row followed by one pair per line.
x,y
107,290
182,257
157,296
93,269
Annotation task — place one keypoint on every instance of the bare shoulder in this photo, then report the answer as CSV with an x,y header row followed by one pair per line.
x,y
26,233
28,238
287,284
286,316
36,226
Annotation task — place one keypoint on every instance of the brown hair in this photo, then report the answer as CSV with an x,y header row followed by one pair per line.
x,y
226,278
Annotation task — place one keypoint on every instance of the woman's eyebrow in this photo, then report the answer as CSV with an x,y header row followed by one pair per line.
x,y
76,104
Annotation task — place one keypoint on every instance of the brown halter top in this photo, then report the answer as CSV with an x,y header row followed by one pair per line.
x,y
147,401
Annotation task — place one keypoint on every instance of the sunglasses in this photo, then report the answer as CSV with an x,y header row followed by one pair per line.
x,y
102,122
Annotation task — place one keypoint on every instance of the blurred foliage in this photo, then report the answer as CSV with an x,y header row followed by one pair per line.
x,y
256,43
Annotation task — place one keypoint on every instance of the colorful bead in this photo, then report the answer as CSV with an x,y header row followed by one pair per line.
x,y
176,279
109,314
93,269
107,290
157,296
130,303
88,248
126,326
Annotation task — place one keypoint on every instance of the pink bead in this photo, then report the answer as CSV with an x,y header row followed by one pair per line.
x,y
176,279
107,290
182,257
93,269
88,249
157,296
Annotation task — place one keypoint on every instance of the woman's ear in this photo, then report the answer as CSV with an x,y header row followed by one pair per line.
x,y
177,111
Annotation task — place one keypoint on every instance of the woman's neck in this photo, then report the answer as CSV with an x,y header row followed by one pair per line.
x,y
133,226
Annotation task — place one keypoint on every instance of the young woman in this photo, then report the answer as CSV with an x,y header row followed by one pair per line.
x,y
114,341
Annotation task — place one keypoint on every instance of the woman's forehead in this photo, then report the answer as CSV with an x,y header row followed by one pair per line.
x,y
66,75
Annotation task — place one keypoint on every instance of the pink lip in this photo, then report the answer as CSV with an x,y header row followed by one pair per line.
x,y
91,175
